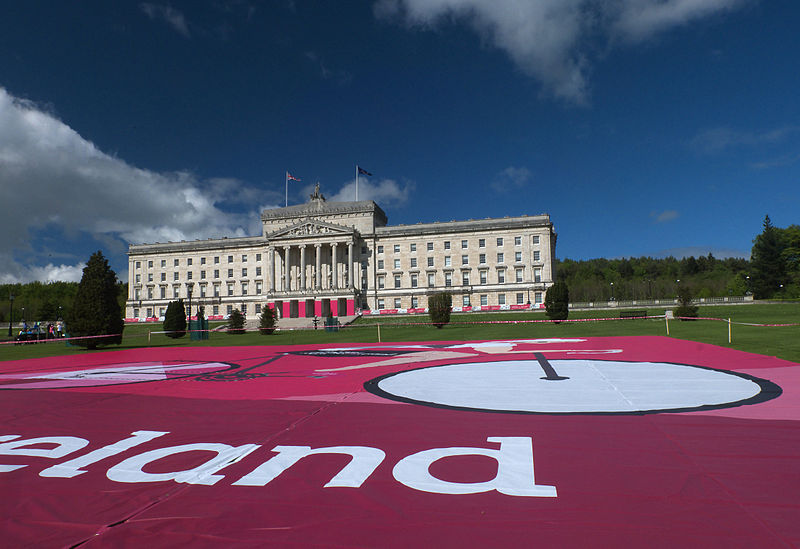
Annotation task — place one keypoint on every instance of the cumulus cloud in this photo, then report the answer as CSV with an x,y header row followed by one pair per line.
x,y
553,40
511,179
51,177
168,14
386,192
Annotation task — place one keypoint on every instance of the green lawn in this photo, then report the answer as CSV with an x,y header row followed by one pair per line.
x,y
783,342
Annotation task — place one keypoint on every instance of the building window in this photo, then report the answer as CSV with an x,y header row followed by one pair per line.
x,y
244,288
464,244
518,275
244,272
229,309
414,302
202,261
500,241
138,278
230,288
216,273
397,248
163,277
465,260
412,247
430,262
446,244
500,257
381,282
501,299
520,298
189,275
413,262
202,275
483,277
482,259
176,291
258,258
216,259
150,264
258,288
175,276
163,263
431,280
447,261
230,259
163,290
216,290
484,300
149,277
244,260
397,303
380,304
448,279
215,310
149,312
380,249
413,281
396,281
138,264
517,241
535,239
501,277
465,301
161,311
189,261
258,306
380,264
465,278
518,257
396,263
258,271
536,255
177,262
203,290
481,243
230,273
430,246
538,297
537,275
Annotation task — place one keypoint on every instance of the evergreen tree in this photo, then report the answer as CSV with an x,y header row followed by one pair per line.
x,y
266,323
685,309
439,306
769,266
96,311
236,322
175,319
556,301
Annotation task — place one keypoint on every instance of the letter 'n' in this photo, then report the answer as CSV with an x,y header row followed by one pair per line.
x,y
365,461
514,470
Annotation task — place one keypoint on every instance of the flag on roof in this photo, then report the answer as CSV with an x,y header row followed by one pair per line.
x,y
362,171
291,177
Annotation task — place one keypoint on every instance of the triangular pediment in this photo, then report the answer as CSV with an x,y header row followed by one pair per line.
x,y
311,228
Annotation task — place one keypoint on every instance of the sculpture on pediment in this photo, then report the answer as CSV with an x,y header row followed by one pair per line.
x,y
316,195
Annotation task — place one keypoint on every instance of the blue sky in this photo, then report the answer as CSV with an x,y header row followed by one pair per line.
x,y
643,127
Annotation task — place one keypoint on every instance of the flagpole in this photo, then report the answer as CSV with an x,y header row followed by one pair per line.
x,y
287,189
356,182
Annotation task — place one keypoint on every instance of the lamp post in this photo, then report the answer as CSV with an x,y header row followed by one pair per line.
x,y
189,287
612,291
11,315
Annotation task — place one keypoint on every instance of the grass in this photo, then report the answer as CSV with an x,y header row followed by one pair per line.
x,y
783,342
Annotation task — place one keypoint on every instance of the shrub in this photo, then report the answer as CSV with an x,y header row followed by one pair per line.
x,y
266,322
175,319
556,301
236,322
439,306
685,309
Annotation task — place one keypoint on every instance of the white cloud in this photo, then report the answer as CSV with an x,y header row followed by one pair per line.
x,y
52,177
386,192
715,140
553,40
511,179
48,273
663,217
170,15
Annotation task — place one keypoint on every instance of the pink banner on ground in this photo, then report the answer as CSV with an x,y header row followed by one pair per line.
x,y
566,442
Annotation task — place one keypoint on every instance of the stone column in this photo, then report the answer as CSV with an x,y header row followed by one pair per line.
x,y
303,267
286,270
334,270
317,276
272,268
351,274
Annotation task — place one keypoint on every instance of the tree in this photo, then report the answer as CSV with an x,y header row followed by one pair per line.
x,y
556,301
175,319
236,322
685,309
768,263
96,311
266,322
439,306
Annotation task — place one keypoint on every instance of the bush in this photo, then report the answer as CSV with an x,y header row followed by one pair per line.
x,y
96,311
266,323
439,306
236,322
556,301
175,319
685,309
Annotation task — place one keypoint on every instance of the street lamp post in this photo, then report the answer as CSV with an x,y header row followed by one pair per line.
x,y
11,315
612,291
189,293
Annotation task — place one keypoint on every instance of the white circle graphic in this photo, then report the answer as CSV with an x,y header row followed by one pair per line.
x,y
573,386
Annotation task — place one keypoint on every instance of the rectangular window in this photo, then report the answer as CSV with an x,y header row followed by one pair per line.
x,y
464,244
537,275
230,273
258,271
215,310
216,290
413,262
244,260
139,278
430,246
447,261
518,257
396,281
175,276
517,241
482,259
258,306
380,264
138,264
380,249
536,255
430,262
413,281
396,263
230,288
412,247
163,263
203,290
500,241
259,287
537,297
189,275
397,248
149,277
448,279
446,244
465,301
216,259
202,275
483,277
465,260
230,259
501,299
535,239
163,277
150,264
414,302
500,257
177,262
244,288
229,309
465,278
381,282
380,304
176,291
189,261
149,312
431,280
484,300
397,303
520,298
501,277
163,292
481,243
244,272
216,273
518,275
202,261
161,311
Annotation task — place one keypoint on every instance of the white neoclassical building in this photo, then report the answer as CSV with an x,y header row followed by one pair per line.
x,y
322,258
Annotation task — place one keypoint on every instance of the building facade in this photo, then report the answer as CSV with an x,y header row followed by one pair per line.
x,y
337,258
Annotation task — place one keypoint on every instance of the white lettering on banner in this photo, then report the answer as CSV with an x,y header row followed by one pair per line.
x,y
130,470
71,468
365,461
63,446
514,457
514,470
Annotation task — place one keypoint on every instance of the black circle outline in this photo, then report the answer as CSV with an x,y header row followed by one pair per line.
x,y
230,366
769,390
